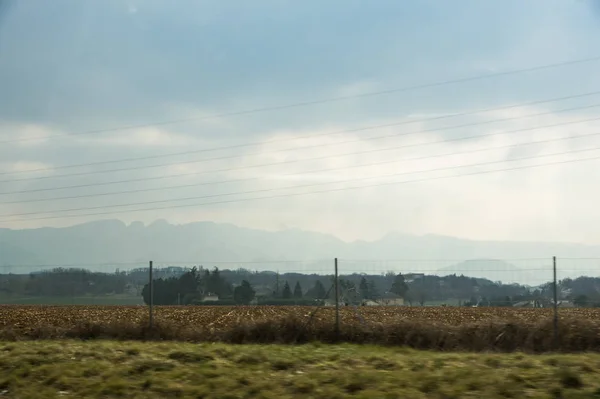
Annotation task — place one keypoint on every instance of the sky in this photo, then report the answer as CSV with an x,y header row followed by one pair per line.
x,y
102,82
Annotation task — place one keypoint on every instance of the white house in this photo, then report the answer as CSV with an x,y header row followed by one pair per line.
x,y
369,302
210,297
391,299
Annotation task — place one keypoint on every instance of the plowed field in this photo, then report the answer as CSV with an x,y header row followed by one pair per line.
x,y
223,317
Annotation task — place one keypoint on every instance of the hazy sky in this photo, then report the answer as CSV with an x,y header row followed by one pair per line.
x,y
71,66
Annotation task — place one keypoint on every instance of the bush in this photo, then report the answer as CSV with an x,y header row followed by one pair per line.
x,y
532,332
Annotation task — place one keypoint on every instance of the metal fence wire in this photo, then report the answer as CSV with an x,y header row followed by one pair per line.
x,y
348,286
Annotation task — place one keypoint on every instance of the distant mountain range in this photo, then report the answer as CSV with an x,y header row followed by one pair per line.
x,y
499,270
116,244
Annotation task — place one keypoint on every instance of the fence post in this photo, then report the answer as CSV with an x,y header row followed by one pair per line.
x,y
337,301
555,294
151,293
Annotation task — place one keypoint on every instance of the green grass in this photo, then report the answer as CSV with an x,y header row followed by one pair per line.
x,y
109,369
122,300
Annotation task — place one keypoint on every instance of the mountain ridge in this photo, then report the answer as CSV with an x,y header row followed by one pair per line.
x,y
113,241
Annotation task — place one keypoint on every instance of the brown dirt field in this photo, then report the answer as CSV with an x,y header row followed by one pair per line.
x,y
503,329
29,316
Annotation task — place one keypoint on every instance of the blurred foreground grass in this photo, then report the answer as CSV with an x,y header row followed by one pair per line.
x,y
110,369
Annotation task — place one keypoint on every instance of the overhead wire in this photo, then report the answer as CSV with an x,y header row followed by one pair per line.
x,y
320,145
158,263
302,172
300,194
283,188
86,264
315,102
295,161
267,142
329,133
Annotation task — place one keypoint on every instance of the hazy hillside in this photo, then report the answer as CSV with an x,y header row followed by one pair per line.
x,y
496,270
112,241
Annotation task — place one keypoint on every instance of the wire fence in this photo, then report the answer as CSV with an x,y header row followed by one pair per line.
x,y
362,282
347,287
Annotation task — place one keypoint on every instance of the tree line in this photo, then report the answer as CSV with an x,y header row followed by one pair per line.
x,y
193,286
196,286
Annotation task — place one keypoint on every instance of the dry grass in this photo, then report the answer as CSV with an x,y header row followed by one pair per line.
x,y
110,369
437,328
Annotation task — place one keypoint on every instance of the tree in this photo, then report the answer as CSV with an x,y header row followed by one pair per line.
x,y
168,291
298,291
409,298
415,294
348,292
276,290
484,301
317,291
363,288
189,285
244,293
165,291
287,292
205,282
399,286
581,301
215,283
373,292
421,298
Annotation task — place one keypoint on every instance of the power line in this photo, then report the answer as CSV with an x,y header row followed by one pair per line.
x,y
302,172
294,161
58,265
304,136
299,194
328,260
159,264
292,187
399,260
350,267
94,172
315,102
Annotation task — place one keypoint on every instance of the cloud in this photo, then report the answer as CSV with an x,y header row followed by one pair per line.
x,y
145,137
70,74
23,166
511,199
25,134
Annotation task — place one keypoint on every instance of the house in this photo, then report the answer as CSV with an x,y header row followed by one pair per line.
x,y
391,299
565,304
210,297
330,302
369,302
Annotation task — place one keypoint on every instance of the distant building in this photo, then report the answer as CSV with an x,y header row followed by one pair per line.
x,y
210,297
391,299
330,302
524,304
566,304
369,302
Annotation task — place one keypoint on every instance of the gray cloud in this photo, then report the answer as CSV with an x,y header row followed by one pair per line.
x,y
72,66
